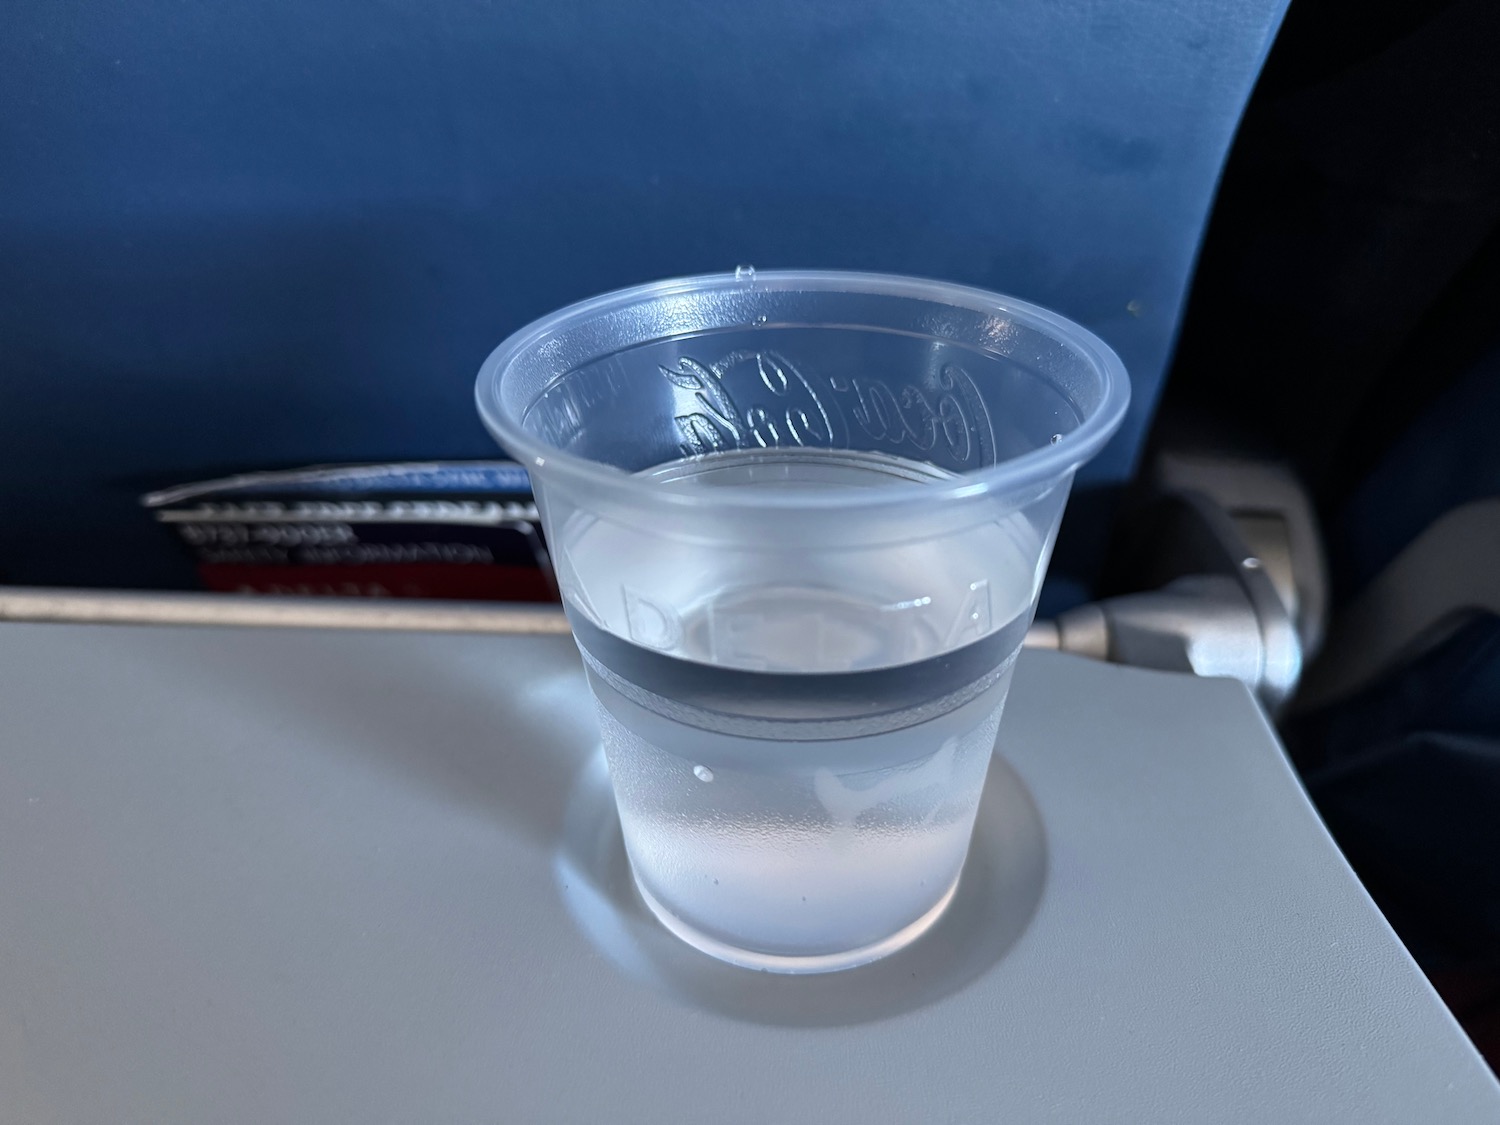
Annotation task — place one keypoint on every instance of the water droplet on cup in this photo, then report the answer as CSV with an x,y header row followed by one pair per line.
x,y
1056,438
744,273
703,773
760,320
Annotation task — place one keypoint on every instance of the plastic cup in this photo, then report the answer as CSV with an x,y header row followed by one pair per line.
x,y
800,520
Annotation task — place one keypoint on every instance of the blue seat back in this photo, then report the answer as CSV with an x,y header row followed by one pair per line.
x,y
255,235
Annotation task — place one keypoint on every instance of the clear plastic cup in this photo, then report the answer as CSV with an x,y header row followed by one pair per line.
x,y
800,520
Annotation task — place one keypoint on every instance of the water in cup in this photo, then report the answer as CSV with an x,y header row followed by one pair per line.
x,y
800,520
798,744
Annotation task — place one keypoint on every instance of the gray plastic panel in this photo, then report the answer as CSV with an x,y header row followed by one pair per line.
x,y
281,876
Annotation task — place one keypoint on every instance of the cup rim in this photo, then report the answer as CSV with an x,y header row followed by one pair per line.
x,y
1044,465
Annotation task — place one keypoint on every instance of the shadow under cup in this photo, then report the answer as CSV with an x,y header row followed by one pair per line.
x,y
800,521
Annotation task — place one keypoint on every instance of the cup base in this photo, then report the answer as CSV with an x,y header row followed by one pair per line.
x,y
778,963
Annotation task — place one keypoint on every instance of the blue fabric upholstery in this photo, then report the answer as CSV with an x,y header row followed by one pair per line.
x,y
253,235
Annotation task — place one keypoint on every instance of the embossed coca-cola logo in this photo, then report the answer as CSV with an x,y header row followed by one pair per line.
x,y
772,405
759,398
945,415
